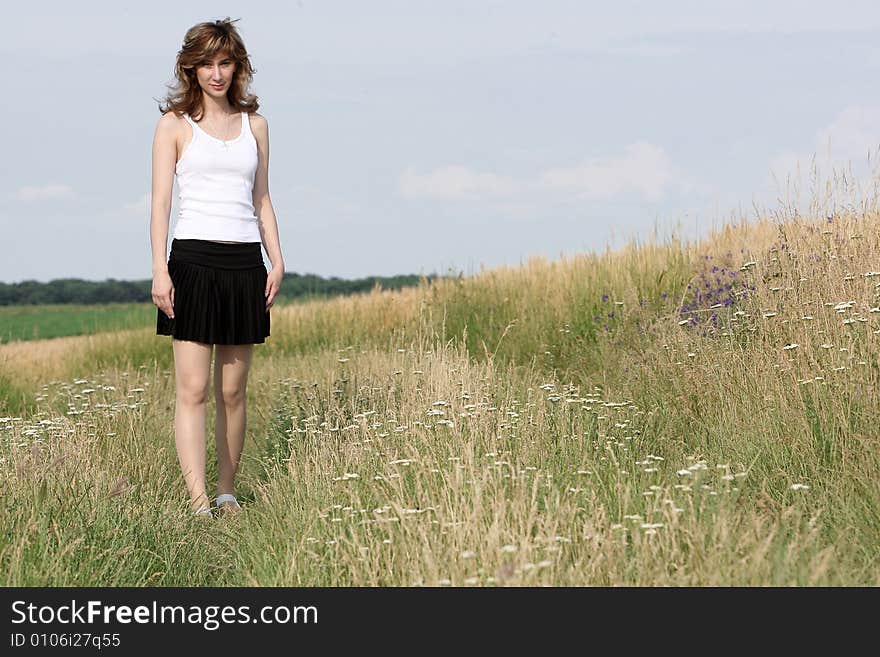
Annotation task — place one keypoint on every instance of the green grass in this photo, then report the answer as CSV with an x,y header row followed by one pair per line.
x,y
59,320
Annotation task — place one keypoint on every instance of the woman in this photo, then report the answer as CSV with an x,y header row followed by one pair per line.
x,y
214,292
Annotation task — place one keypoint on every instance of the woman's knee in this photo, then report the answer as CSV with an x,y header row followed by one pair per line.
x,y
230,395
192,393
192,362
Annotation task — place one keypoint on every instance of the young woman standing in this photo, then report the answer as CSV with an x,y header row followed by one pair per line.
x,y
213,293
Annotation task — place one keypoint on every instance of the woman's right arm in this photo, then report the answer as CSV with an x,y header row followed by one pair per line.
x,y
164,160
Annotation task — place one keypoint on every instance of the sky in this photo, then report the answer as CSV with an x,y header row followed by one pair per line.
x,y
439,136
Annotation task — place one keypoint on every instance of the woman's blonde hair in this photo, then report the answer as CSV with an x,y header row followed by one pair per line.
x,y
202,42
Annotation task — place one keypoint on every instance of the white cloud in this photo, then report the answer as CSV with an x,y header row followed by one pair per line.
x,y
456,183
43,192
847,143
643,169
852,135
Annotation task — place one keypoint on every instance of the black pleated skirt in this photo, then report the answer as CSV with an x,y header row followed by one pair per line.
x,y
219,293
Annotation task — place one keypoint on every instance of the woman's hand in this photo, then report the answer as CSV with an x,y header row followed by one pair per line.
x,y
163,293
273,284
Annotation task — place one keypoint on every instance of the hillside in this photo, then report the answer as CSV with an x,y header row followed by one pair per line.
x,y
671,413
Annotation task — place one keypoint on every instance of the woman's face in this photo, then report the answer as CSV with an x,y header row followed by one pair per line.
x,y
216,71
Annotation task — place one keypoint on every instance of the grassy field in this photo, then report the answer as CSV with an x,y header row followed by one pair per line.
x,y
667,414
60,320
42,322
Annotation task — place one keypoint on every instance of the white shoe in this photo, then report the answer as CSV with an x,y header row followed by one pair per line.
x,y
227,504
203,512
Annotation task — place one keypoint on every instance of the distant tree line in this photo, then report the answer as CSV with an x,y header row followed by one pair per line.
x,y
76,290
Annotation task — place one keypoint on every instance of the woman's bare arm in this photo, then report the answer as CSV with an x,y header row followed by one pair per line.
x,y
262,202
164,160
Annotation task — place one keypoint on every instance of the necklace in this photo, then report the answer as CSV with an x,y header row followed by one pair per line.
x,y
226,132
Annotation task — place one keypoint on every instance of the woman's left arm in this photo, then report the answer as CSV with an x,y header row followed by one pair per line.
x,y
268,223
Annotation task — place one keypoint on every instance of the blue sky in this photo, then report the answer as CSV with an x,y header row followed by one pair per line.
x,y
425,136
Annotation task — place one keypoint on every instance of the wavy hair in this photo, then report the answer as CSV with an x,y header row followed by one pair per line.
x,y
202,42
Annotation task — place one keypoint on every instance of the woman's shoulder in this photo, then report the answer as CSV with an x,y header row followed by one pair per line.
x,y
169,124
257,119
171,119
259,127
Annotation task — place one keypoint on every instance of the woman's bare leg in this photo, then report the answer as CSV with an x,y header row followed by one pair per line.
x,y
192,363
231,365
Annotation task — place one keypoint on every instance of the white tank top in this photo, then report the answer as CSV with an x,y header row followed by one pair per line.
x,y
216,186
